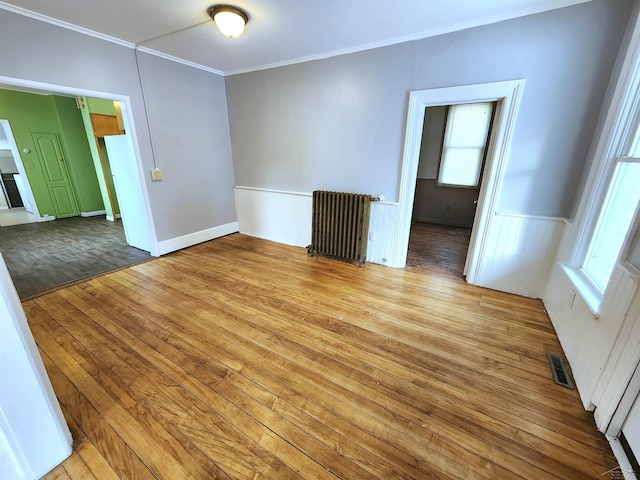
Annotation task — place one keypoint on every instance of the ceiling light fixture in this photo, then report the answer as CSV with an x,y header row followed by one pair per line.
x,y
230,20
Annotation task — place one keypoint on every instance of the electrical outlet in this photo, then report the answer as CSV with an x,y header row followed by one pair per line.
x,y
156,175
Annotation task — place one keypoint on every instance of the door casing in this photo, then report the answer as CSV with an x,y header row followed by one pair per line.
x,y
507,95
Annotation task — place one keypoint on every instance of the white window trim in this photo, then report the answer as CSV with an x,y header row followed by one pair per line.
x,y
621,120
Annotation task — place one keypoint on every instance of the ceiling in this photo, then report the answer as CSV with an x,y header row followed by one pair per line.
x,y
279,32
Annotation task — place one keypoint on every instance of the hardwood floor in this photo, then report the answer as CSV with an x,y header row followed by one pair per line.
x,y
245,359
438,248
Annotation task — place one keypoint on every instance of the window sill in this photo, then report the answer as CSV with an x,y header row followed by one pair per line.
x,y
588,292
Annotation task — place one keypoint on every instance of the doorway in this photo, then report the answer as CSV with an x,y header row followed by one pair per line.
x,y
452,158
17,204
138,232
507,96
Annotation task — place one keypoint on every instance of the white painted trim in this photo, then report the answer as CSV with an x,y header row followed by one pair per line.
x,y
112,219
300,194
550,5
171,58
533,217
621,457
614,417
63,24
33,423
620,120
268,190
508,94
178,243
130,128
95,213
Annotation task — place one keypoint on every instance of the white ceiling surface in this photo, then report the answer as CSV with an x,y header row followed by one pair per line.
x,y
279,32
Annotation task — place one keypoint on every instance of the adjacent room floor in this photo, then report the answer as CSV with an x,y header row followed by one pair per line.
x,y
42,256
438,248
241,358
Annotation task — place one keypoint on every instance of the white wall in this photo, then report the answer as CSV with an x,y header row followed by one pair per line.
x,y
587,340
34,437
338,123
186,109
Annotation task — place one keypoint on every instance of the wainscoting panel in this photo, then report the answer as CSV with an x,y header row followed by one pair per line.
x,y
519,253
593,345
283,217
382,229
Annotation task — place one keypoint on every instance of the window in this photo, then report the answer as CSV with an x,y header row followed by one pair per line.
x,y
614,221
464,145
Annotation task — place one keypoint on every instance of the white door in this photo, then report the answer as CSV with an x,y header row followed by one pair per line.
x,y
129,191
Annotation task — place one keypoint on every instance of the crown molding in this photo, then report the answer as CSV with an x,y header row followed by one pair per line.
x,y
523,12
166,56
59,23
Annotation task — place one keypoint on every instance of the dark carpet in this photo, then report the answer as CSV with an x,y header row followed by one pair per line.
x,y
43,256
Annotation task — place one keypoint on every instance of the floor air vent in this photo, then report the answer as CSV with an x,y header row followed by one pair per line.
x,y
559,371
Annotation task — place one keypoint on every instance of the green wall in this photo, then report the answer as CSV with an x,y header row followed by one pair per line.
x,y
82,172
28,113
101,106
105,180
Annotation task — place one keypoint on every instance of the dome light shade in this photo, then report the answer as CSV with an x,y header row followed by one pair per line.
x,y
230,20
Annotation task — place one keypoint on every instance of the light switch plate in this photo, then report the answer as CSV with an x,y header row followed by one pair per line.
x,y
156,175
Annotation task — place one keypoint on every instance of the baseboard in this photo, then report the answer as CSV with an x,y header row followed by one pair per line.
x,y
178,243
439,221
93,214
47,218
111,219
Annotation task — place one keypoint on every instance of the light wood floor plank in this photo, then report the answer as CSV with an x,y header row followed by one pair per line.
x,y
244,359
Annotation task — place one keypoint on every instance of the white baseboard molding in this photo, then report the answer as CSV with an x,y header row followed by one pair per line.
x,y
178,243
439,221
93,214
111,219
47,218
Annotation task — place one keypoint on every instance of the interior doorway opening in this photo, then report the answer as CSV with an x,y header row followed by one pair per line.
x,y
66,200
452,157
507,96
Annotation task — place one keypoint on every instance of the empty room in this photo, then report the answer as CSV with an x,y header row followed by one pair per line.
x,y
388,240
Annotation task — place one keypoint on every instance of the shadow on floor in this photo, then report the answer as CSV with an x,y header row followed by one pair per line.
x,y
46,255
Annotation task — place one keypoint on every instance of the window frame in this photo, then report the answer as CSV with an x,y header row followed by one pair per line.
x,y
631,228
439,184
617,131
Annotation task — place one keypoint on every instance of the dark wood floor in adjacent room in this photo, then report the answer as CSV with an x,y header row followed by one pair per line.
x,y
240,358
45,255
438,248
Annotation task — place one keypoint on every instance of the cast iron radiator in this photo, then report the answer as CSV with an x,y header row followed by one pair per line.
x,y
340,225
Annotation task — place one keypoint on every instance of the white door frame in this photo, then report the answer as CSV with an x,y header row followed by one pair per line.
x,y
507,94
6,126
31,420
27,85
